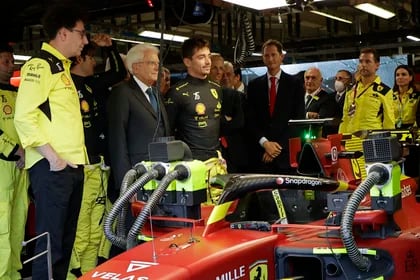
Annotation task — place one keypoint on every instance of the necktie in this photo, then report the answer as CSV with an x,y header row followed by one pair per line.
x,y
152,98
273,93
308,100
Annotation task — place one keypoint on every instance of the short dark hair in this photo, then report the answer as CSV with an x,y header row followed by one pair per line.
x,y
59,15
238,71
348,73
272,42
372,51
5,47
193,44
89,49
410,72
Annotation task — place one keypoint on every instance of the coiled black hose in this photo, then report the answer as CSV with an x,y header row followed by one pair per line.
x,y
120,203
245,44
128,179
180,172
346,231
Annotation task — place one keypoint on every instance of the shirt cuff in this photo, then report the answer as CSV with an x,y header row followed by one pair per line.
x,y
262,141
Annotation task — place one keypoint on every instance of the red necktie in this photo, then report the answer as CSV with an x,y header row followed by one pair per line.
x,y
273,93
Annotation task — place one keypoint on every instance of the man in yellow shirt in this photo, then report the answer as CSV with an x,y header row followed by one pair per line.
x,y
49,125
369,104
13,178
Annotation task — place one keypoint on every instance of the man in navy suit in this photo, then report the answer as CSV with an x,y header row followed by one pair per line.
x,y
136,114
273,99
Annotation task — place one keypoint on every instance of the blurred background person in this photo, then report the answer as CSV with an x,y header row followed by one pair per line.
x,y
343,82
405,96
14,179
165,81
93,90
232,122
406,103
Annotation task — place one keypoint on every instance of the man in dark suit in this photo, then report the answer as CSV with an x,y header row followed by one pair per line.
x,y
319,104
136,115
343,82
273,99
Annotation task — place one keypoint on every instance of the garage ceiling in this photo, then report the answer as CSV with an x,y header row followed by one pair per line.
x,y
306,36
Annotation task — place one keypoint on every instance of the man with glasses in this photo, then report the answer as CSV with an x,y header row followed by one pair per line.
x,y
50,127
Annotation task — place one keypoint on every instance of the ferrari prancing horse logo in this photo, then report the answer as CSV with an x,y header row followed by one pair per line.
x,y
258,270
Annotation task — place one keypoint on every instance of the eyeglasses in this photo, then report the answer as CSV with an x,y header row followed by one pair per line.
x,y
81,32
150,63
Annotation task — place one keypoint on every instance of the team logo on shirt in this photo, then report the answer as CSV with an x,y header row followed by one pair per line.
x,y
200,109
65,80
196,95
7,109
214,93
84,106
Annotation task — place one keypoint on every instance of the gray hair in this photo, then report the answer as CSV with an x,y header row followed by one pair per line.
x,y
136,54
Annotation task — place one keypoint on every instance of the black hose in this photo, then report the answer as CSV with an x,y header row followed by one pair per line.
x,y
360,261
121,203
248,33
245,44
180,172
128,179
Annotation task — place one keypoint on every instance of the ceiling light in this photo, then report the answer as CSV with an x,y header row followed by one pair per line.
x,y
331,16
166,36
413,38
262,4
132,41
375,10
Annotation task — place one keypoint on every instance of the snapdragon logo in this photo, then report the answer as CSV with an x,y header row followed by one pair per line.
x,y
302,181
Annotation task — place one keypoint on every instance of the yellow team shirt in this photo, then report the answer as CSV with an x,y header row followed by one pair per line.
x,y
48,110
405,108
368,107
9,140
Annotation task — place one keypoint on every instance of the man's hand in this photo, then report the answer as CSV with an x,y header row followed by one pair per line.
x,y
20,163
60,164
267,158
102,40
56,162
273,149
312,115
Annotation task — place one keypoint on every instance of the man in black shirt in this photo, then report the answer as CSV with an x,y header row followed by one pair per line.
x,y
194,104
93,90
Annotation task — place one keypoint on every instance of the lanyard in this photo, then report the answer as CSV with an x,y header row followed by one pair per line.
x,y
355,91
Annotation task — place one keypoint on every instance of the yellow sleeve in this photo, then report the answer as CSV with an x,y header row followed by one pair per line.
x,y
33,91
388,111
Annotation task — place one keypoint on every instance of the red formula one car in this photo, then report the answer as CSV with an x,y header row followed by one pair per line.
x,y
276,226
